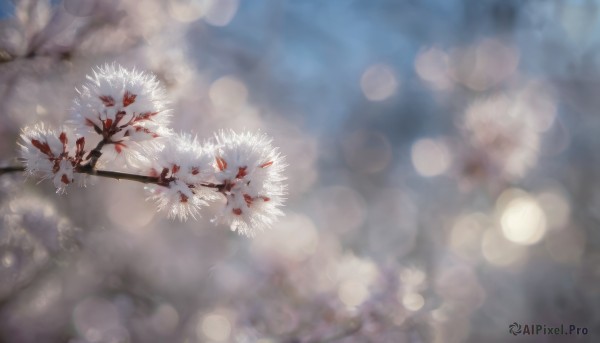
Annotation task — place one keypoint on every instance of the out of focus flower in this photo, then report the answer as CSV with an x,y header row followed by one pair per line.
x,y
503,136
250,172
183,166
125,107
52,154
31,233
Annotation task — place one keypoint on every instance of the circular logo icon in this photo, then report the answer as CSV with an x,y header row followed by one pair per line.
x,y
514,328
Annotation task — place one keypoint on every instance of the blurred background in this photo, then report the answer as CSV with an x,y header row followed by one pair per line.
x,y
444,177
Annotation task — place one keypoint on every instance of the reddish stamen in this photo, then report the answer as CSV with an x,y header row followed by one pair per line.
x,y
107,124
183,197
248,199
221,163
144,116
79,145
64,179
195,170
63,138
43,147
241,172
145,130
107,100
128,98
175,168
237,211
119,147
266,164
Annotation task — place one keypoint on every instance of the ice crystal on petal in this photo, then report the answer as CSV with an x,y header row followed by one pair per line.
x,y
250,172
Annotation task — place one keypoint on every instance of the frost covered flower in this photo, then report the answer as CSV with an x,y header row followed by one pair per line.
x,y
249,171
182,167
52,154
126,108
503,134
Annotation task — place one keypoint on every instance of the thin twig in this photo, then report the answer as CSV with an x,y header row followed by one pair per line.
x,y
11,169
121,176
87,169
95,154
102,173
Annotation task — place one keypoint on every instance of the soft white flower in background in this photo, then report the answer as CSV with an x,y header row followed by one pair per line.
x,y
183,166
52,154
503,134
250,170
125,108
31,231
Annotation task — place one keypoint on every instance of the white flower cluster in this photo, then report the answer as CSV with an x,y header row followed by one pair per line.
x,y
52,154
182,167
244,168
250,172
122,113
125,108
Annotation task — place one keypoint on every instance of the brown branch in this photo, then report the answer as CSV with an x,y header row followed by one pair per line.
x,y
95,154
11,169
119,175
90,171
87,169
102,173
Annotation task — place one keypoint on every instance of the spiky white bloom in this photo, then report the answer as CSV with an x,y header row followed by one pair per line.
x,y
506,135
249,171
52,154
183,166
124,107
